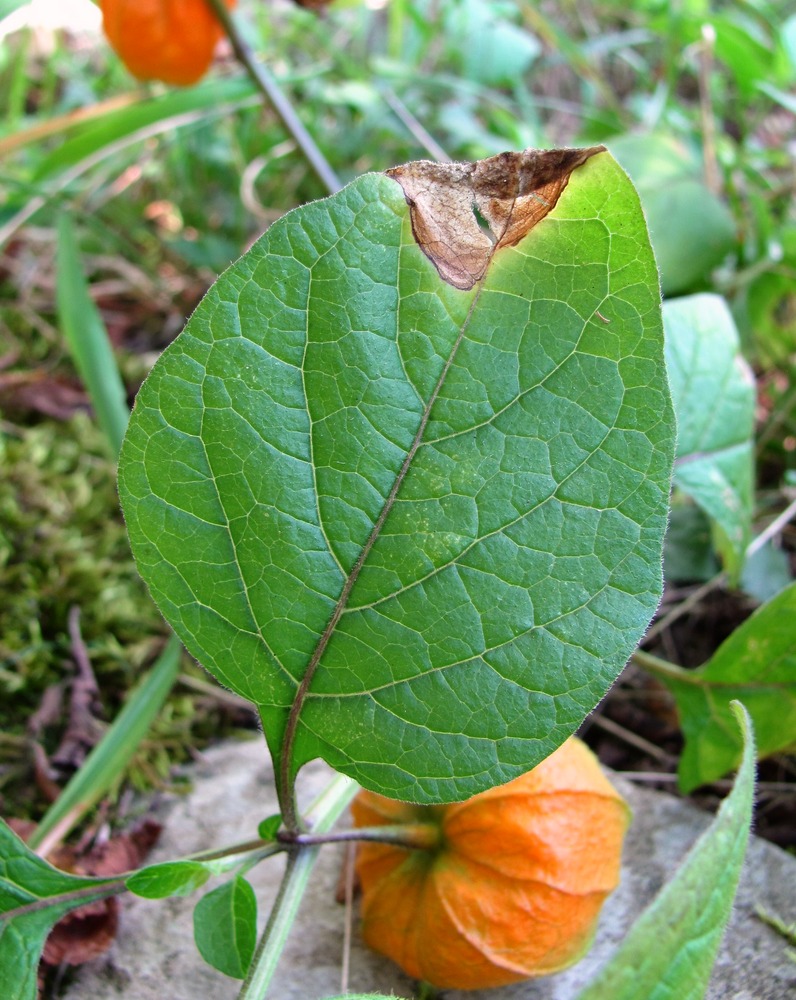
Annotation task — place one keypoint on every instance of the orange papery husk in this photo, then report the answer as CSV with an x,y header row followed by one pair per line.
x,y
515,887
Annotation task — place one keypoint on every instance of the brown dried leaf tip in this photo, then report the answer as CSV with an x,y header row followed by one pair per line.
x,y
511,191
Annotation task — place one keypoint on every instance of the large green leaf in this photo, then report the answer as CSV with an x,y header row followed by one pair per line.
x,y
46,894
442,509
714,397
757,664
670,950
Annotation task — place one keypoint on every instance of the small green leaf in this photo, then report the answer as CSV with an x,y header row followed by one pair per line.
x,y
27,880
757,664
670,950
766,573
490,49
746,48
713,391
770,307
172,878
225,927
268,828
688,550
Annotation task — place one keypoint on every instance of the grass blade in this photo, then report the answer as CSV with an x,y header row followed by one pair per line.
x,y
87,338
109,757
670,950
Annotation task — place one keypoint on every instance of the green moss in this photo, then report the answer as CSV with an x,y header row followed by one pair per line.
x,y
64,543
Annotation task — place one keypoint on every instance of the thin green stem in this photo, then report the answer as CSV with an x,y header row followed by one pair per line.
x,y
280,920
323,814
241,858
267,85
663,668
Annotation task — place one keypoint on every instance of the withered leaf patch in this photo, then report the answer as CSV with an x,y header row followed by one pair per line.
x,y
511,191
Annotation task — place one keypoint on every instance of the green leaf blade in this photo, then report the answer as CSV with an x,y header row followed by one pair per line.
x,y
170,878
714,394
27,879
757,663
670,950
225,927
498,460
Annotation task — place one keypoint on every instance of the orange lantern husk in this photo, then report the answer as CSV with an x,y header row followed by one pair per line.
x,y
515,887
168,40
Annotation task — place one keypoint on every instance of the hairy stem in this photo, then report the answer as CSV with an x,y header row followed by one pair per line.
x,y
323,814
663,668
267,85
88,894
413,836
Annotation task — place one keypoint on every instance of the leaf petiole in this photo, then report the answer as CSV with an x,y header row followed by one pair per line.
x,y
664,669
88,894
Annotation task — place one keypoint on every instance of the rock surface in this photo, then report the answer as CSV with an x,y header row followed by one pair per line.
x,y
155,957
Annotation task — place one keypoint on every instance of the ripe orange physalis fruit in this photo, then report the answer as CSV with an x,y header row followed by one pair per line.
x,y
513,888
168,40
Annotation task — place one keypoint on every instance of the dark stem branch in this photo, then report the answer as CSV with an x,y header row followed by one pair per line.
x,y
412,836
77,896
269,88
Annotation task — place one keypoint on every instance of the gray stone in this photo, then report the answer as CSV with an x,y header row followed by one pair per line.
x,y
155,957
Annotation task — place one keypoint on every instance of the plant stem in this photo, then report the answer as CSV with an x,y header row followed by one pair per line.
x,y
412,836
415,128
88,894
755,545
710,162
325,811
267,85
664,669
241,858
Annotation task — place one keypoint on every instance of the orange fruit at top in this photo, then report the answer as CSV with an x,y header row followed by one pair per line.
x,y
513,888
168,40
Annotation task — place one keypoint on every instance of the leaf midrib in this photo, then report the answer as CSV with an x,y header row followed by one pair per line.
x,y
291,726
